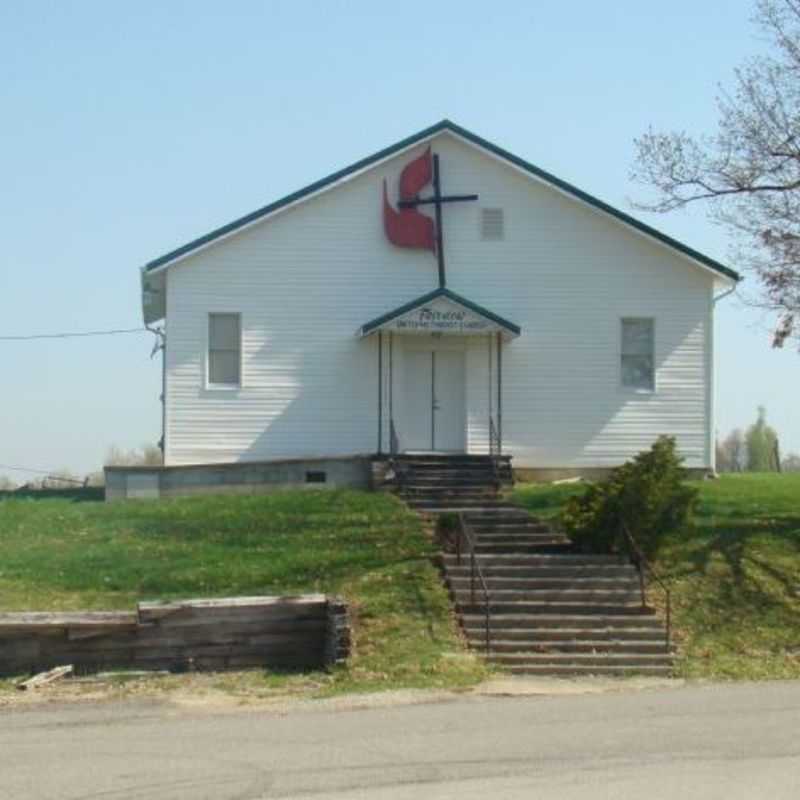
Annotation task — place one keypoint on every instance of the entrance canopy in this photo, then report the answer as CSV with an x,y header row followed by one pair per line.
x,y
445,312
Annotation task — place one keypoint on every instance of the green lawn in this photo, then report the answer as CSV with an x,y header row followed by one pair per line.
x,y
735,576
65,554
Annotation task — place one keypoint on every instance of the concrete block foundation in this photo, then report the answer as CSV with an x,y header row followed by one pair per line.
x,y
126,483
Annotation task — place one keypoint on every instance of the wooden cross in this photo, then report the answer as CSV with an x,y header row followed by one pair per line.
x,y
437,199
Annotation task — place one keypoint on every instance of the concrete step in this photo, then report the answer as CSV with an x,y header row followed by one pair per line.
x,y
455,469
541,545
414,495
597,571
444,504
513,529
421,489
521,538
560,670
499,584
547,623
475,482
482,501
433,476
448,469
510,531
511,513
606,597
547,607
558,646
436,481
540,560
533,636
430,479
624,660
442,467
516,536
451,458
511,526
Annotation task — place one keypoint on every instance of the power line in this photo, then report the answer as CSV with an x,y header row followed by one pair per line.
x,y
49,473
72,335
26,469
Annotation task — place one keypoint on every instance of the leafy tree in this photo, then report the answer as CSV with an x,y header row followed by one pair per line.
x,y
147,455
720,458
762,445
96,478
748,173
61,479
731,452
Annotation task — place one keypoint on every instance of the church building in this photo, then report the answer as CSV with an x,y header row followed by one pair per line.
x,y
442,295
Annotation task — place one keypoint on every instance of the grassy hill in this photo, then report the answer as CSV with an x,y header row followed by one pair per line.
x,y
68,554
734,577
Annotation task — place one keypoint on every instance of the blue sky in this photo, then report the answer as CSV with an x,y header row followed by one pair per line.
x,y
129,129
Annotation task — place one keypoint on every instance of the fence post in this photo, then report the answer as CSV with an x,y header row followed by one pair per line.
x,y
337,633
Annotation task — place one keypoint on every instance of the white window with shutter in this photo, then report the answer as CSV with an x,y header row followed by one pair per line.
x,y
224,350
637,368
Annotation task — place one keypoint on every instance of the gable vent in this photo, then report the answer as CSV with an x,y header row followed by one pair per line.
x,y
492,223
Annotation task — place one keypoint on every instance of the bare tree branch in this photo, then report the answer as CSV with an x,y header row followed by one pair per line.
x,y
748,173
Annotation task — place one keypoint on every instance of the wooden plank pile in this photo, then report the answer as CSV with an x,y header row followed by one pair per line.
x,y
307,631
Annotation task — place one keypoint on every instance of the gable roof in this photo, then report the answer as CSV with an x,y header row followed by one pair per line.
x,y
439,127
376,324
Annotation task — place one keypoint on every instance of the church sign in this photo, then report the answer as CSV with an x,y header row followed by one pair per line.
x,y
429,320
441,317
441,312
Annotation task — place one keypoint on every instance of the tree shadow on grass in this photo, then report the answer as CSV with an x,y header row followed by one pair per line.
x,y
732,540
753,552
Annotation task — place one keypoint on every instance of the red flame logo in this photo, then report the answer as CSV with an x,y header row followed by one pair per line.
x,y
407,227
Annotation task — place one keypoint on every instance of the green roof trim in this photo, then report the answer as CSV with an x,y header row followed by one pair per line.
x,y
376,323
439,127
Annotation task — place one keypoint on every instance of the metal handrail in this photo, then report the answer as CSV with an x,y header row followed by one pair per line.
x,y
394,461
494,451
465,533
642,565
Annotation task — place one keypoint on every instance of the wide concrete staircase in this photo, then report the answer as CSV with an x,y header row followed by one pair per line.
x,y
434,483
552,610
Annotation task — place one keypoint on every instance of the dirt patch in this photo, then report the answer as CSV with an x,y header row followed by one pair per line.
x,y
251,691
522,686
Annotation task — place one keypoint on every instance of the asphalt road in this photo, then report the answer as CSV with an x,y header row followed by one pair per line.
x,y
724,741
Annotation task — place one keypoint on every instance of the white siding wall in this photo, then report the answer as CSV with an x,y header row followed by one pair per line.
x,y
306,279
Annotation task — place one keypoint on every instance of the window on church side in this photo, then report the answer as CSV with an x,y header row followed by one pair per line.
x,y
638,356
224,349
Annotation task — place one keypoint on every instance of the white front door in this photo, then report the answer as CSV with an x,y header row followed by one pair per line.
x,y
448,401
434,400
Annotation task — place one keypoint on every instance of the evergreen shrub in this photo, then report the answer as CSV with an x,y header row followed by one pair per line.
x,y
648,495
447,525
